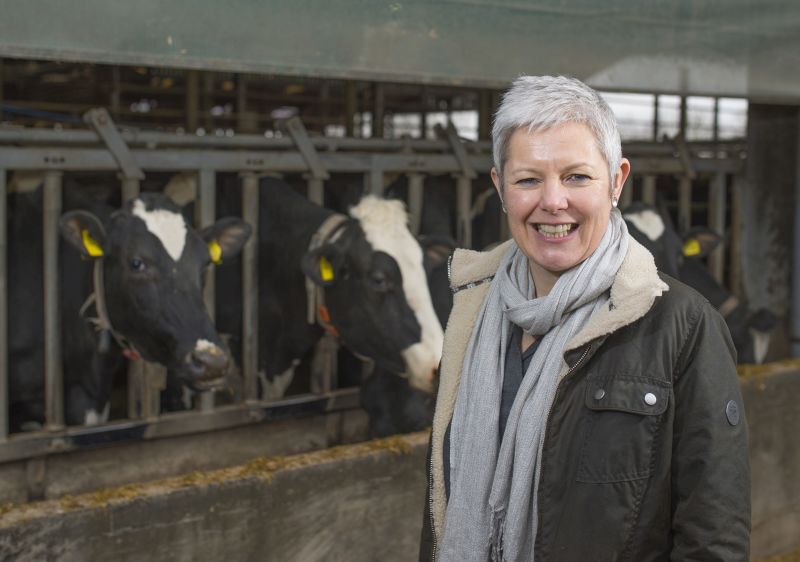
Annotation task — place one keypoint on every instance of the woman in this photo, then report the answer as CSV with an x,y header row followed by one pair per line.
x,y
588,407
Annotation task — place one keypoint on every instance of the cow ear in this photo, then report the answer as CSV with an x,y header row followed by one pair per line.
x,y
700,242
323,265
84,231
225,238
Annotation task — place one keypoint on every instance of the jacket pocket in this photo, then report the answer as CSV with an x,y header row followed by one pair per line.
x,y
621,423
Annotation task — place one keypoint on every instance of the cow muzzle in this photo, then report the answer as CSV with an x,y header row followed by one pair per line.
x,y
205,367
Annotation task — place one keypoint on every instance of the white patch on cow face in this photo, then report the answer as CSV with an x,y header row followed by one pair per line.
x,y
385,223
168,227
760,344
648,222
92,417
207,346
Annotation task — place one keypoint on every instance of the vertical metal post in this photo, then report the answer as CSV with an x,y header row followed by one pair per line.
x,y
205,214
54,385
192,100
463,208
116,94
130,188
415,198
375,179
649,189
716,221
1,88
715,130
484,115
377,111
684,204
795,335
241,103
656,103
250,208
683,119
735,253
316,190
207,101
627,193
350,108
3,306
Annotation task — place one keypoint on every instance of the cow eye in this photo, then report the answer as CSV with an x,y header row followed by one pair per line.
x,y
138,265
378,281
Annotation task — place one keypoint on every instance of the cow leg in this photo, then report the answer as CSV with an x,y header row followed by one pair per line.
x,y
275,389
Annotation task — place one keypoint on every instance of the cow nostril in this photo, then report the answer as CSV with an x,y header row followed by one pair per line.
x,y
208,361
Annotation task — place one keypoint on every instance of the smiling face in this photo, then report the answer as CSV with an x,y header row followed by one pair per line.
x,y
557,194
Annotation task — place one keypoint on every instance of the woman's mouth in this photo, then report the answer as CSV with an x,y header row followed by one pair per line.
x,y
555,230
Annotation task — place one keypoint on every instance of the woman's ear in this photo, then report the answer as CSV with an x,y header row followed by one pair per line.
x,y
620,177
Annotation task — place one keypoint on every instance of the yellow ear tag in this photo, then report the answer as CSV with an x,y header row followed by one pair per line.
x,y
691,247
91,244
325,269
215,251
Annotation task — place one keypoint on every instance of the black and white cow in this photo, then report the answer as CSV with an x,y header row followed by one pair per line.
x,y
681,257
370,270
152,263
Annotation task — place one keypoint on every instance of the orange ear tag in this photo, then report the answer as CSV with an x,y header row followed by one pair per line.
x,y
691,248
325,269
91,244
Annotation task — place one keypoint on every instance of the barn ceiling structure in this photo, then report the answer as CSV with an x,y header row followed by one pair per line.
x,y
742,48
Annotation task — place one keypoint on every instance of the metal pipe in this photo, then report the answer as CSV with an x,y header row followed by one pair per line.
x,y
3,307
205,215
316,190
796,262
377,110
415,198
192,100
375,179
463,208
136,377
649,189
717,209
735,253
250,209
130,189
54,384
350,108
656,103
684,204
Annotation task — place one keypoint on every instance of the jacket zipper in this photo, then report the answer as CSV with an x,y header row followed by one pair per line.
x,y
430,507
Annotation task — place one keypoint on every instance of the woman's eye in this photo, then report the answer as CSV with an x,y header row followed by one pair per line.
x,y
578,178
138,265
527,182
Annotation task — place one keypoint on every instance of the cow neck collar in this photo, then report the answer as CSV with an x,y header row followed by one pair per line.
x,y
317,312
102,322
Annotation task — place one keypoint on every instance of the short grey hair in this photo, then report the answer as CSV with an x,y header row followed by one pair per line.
x,y
543,102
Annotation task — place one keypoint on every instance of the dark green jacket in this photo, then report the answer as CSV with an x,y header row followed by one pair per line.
x,y
624,477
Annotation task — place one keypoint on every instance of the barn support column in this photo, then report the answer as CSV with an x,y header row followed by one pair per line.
x,y
377,111
484,115
116,95
716,221
53,376
735,249
3,307
415,198
768,204
627,193
796,252
205,213
250,288
350,107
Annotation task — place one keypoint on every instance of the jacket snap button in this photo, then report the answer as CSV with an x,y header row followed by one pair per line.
x,y
599,393
650,398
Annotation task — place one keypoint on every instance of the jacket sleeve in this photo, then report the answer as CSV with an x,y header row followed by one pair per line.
x,y
710,462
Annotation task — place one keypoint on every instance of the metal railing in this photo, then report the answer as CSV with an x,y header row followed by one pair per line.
x,y
129,152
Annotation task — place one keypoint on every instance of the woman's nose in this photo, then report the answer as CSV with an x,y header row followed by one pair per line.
x,y
554,196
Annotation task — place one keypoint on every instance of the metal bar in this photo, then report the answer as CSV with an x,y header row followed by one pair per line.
x,y
192,100
73,159
207,100
649,189
684,204
4,406
115,98
463,207
735,254
795,324
316,190
250,210
101,122
205,215
415,198
350,108
656,103
136,376
35,444
375,179
715,128
484,115
467,170
130,188
377,110
54,384
300,136
716,221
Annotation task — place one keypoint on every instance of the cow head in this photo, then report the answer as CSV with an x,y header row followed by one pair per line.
x,y
377,293
681,257
153,264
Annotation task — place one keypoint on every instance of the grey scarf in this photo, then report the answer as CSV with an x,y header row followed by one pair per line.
x,y
492,508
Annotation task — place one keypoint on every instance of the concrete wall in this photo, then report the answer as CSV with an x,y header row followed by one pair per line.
x,y
355,502
348,503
